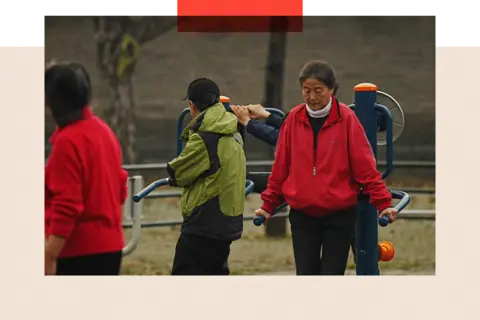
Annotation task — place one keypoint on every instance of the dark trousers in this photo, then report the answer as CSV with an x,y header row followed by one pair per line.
x,y
105,264
321,245
199,255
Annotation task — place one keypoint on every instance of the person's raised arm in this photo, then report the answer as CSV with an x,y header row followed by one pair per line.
x,y
269,130
190,164
258,112
263,132
275,120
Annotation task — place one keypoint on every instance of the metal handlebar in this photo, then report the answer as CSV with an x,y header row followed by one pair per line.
x,y
137,219
277,111
259,220
402,204
152,186
384,221
249,187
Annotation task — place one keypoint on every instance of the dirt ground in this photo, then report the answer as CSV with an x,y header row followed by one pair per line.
x,y
255,254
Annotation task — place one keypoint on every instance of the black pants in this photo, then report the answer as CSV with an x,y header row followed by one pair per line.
x,y
321,245
199,255
105,264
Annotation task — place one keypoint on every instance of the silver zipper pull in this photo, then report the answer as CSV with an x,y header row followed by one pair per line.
x,y
314,171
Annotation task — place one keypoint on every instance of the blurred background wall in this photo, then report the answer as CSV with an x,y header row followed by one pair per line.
x,y
396,53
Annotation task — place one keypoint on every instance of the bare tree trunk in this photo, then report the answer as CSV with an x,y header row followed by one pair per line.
x,y
274,95
121,114
119,40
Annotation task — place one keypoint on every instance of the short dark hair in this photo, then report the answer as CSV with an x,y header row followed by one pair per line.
x,y
67,86
83,73
203,93
320,70
208,100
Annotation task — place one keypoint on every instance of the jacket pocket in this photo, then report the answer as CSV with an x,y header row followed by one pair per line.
x,y
299,190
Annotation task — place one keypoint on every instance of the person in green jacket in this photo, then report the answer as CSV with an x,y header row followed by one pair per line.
x,y
211,169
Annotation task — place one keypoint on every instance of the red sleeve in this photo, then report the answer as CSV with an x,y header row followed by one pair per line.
x,y
272,197
65,183
364,167
123,184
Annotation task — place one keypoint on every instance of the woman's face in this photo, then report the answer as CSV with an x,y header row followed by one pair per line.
x,y
316,94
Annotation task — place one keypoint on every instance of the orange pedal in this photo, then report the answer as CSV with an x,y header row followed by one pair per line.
x,y
386,251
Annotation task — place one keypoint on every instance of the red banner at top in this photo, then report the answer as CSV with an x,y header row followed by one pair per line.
x,y
240,8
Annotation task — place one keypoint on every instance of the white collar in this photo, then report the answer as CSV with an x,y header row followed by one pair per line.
x,y
320,113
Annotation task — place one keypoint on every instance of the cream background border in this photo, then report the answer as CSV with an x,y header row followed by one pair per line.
x,y
26,294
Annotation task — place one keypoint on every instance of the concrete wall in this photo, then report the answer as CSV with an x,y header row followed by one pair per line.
x,y
396,53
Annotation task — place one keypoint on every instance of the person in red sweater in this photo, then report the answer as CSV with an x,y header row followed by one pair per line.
x,y
322,161
85,184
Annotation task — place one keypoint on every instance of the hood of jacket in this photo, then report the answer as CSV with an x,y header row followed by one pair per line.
x,y
215,120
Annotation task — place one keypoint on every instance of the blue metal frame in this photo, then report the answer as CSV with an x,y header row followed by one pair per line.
x,y
373,117
249,187
366,229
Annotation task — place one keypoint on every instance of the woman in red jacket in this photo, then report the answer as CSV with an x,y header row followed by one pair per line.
x,y
322,159
85,184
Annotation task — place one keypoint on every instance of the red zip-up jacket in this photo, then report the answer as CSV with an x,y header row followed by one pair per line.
x,y
85,187
328,180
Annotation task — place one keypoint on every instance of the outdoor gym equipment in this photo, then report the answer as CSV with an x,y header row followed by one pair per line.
x,y
376,119
249,185
136,183
167,182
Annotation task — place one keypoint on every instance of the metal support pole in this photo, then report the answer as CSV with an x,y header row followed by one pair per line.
x,y
127,206
137,210
366,228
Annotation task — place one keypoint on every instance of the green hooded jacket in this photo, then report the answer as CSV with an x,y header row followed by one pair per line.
x,y
211,169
